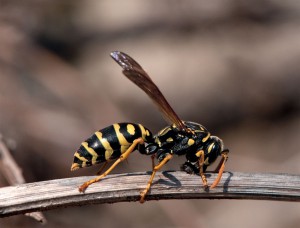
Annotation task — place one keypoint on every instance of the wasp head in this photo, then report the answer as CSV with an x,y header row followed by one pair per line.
x,y
213,148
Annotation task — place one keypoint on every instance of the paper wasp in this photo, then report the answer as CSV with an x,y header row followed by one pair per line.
x,y
118,141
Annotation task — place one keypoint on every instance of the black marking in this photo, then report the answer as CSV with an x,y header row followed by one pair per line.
x,y
84,153
77,161
116,154
94,143
110,135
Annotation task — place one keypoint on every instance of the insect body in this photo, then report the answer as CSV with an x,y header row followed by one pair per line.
x,y
117,141
186,143
109,143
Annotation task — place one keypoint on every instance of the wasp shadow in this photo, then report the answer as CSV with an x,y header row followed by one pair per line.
x,y
169,180
226,182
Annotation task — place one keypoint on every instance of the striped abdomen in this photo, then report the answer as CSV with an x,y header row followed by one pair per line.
x,y
109,143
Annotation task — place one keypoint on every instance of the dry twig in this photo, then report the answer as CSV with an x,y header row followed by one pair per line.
x,y
52,194
13,174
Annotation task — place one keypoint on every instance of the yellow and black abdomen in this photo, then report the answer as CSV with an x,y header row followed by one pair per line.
x,y
109,143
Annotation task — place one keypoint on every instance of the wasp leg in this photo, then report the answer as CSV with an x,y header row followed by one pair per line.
x,y
217,169
120,159
221,169
102,168
200,154
155,169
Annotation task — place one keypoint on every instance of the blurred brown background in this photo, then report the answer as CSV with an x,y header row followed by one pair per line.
x,y
232,66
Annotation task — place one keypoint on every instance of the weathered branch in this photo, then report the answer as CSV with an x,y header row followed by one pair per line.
x,y
8,166
13,174
52,194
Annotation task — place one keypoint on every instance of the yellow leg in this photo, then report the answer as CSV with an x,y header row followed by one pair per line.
x,y
200,154
155,169
121,158
221,169
217,169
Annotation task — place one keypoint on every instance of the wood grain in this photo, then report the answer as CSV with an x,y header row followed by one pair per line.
x,y
47,195
13,174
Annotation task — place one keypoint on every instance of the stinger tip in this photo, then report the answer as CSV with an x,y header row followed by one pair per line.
x,y
75,166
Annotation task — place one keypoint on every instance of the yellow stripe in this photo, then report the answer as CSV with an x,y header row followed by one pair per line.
x,y
105,144
206,138
104,141
170,139
124,149
199,153
210,147
120,136
199,130
164,131
108,154
84,160
77,155
122,140
157,141
91,151
144,132
147,133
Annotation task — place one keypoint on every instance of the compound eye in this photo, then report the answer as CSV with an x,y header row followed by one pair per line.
x,y
151,149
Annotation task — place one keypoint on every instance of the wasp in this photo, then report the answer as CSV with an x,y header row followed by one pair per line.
x,y
118,141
